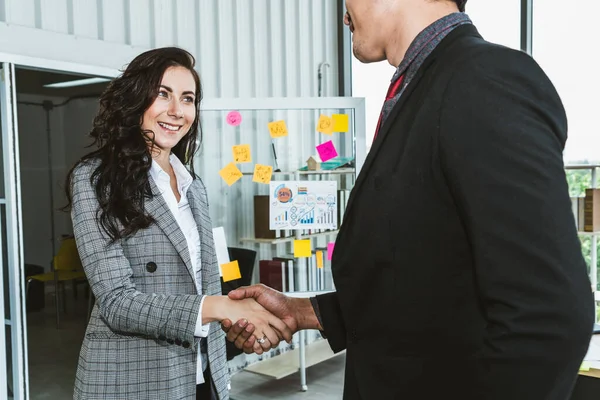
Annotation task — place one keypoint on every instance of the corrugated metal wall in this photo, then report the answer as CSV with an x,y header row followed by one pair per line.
x,y
245,48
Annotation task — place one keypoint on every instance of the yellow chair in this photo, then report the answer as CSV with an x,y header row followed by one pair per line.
x,y
66,266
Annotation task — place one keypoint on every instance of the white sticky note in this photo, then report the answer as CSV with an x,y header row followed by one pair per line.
x,y
221,247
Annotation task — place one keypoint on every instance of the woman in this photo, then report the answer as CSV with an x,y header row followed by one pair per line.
x,y
143,232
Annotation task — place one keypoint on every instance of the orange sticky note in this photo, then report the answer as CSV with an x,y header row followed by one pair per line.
x,y
278,129
340,122
262,173
230,271
325,125
302,248
230,174
319,255
241,153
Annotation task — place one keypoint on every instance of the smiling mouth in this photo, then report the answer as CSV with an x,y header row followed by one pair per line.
x,y
169,127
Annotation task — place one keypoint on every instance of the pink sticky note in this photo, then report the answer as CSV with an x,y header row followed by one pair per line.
x,y
234,118
327,151
330,247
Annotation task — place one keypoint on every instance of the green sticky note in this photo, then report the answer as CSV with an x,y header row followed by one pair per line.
x,y
585,366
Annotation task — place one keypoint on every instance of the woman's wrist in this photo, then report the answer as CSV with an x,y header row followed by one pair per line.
x,y
214,308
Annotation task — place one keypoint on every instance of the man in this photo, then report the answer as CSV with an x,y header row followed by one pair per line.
x,y
458,268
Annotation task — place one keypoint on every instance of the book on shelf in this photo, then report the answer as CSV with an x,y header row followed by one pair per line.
x,y
290,285
591,215
261,218
273,273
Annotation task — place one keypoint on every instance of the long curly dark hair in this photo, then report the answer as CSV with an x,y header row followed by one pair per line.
x,y
120,181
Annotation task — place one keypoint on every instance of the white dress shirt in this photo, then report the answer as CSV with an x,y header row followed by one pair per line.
x,y
185,219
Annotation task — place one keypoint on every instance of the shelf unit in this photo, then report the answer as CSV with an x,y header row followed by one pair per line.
x,y
289,239
338,171
593,168
234,204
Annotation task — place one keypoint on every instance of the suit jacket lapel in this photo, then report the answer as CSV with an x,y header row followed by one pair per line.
x,y
207,252
383,132
157,207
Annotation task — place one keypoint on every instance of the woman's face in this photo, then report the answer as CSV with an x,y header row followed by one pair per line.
x,y
174,109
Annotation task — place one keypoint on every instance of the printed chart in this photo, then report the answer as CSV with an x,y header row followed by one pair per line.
x,y
303,205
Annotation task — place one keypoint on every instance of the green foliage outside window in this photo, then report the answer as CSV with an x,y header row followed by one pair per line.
x,y
578,181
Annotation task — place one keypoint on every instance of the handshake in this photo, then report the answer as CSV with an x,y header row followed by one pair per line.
x,y
264,317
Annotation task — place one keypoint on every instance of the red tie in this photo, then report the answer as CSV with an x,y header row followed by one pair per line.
x,y
391,93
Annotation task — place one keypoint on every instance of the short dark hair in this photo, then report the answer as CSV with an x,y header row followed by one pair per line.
x,y
461,5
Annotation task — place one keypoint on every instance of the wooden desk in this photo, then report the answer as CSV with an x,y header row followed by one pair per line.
x,y
594,373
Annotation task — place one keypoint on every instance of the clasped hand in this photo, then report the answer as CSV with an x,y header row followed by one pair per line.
x,y
256,333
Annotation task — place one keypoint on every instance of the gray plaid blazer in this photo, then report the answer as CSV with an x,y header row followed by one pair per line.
x,y
139,343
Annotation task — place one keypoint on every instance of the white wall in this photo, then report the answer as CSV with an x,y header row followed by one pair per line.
x,y
563,42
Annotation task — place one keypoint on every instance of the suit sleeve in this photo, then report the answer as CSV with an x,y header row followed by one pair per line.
x,y
330,317
125,309
502,133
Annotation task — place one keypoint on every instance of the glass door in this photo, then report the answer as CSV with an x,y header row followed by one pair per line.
x,y
13,349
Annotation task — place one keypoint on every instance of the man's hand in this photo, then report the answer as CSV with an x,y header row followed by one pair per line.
x,y
273,301
296,313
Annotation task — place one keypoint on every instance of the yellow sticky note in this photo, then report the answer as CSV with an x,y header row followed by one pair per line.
x,y
302,248
585,366
262,173
230,271
230,174
278,129
325,125
241,153
319,255
340,122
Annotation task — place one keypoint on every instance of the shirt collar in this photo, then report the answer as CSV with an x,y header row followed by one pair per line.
x,y
428,35
184,178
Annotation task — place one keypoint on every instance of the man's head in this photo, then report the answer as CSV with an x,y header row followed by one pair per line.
x,y
379,26
460,4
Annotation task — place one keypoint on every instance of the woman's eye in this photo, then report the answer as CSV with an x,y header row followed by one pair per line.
x,y
163,93
188,99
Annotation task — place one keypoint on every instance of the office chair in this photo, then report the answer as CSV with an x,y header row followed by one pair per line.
x,y
246,259
66,266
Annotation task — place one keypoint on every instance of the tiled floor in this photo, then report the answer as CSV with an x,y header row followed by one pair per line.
x,y
53,361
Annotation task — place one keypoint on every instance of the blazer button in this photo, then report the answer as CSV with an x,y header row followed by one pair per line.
x,y
186,344
151,266
170,341
178,342
162,338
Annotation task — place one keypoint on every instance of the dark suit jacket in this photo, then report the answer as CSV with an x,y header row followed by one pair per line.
x,y
458,268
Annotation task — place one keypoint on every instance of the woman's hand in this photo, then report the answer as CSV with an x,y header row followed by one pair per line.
x,y
268,329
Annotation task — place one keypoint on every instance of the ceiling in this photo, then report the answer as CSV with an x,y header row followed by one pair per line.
x,y
31,81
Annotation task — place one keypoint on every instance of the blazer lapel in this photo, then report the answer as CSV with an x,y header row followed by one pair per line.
x,y
383,132
207,252
157,207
